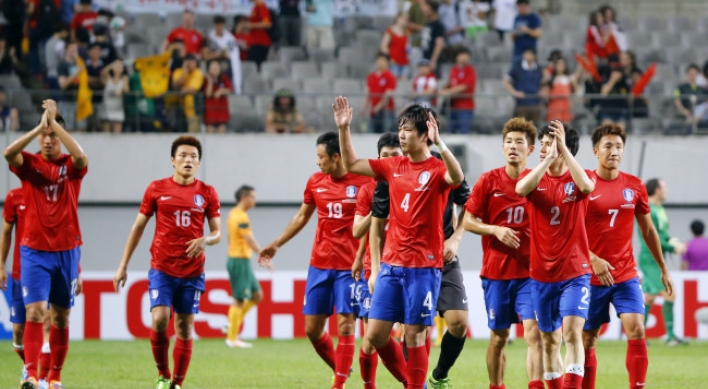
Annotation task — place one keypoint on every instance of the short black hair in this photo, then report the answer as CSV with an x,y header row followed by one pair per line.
x,y
94,45
389,139
693,66
417,116
463,50
531,49
697,227
219,19
519,2
244,190
383,55
186,140
652,185
85,2
433,4
330,140
572,138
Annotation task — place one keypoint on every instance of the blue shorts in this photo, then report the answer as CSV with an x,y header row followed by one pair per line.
x,y
406,295
363,298
554,301
182,294
18,314
626,297
506,301
49,276
329,290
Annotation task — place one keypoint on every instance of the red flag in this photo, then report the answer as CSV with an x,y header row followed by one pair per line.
x,y
611,46
639,87
589,65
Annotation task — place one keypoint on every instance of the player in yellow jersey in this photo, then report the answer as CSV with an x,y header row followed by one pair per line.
x,y
245,289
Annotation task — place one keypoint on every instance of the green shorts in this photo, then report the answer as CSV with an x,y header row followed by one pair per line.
x,y
651,277
243,281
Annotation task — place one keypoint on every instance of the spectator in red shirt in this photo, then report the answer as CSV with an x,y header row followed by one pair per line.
x,y
596,36
84,18
243,38
379,105
425,85
258,25
193,40
42,22
216,105
463,79
395,44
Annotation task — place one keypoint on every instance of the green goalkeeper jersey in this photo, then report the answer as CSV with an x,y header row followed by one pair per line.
x,y
661,222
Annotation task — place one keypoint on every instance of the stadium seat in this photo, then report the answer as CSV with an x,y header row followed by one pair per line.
x,y
10,81
487,39
306,104
157,34
137,50
317,85
272,69
287,83
381,23
173,19
255,85
488,71
349,55
262,103
637,39
346,86
289,54
694,39
360,71
369,38
680,24
250,123
656,55
666,39
332,70
302,70
493,87
249,69
322,55
203,22
499,54
628,24
142,21
239,103
681,56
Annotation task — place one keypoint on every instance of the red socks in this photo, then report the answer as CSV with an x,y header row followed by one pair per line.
x,y
502,386
325,350
417,367
556,383
33,339
20,350
59,346
590,369
392,357
537,384
573,381
345,356
44,363
182,354
367,364
637,362
160,350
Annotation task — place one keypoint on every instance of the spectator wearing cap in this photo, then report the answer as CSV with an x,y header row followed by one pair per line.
x,y
696,255
283,116
290,22
524,83
193,40
504,15
188,80
9,116
379,104
463,79
222,46
433,35
527,30
258,25
83,18
320,19
689,98
425,85
449,14
395,44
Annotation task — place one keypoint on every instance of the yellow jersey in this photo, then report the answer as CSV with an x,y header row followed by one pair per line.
x,y
239,225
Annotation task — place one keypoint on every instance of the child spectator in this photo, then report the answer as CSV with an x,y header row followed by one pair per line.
x,y
463,79
379,104
217,87
395,44
425,85
559,90
117,84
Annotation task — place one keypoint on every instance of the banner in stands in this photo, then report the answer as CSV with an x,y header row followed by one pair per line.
x,y
101,313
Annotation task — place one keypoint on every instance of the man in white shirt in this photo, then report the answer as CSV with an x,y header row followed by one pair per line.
x,y
504,15
222,45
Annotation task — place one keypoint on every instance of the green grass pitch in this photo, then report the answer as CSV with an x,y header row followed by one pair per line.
x,y
294,364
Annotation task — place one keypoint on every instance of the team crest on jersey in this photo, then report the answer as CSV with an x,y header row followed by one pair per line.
x,y
351,191
423,178
62,171
628,195
569,188
198,200
367,303
154,293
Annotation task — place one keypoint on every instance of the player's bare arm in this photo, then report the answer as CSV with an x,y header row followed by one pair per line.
x,y
343,119
361,225
651,238
506,235
251,242
13,152
5,239
375,245
529,183
358,265
297,223
454,175
78,157
136,232
602,269
452,244
197,246
580,177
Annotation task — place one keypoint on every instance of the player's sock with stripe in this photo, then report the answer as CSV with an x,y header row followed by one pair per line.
x,y
392,357
536,384
502,386
417,367
44,362
160,352
367,364
325,350
450,349
59,346
33,338
668,312
346,346
553,380
590,369
182,355
235,320
20,350
637,362
574,377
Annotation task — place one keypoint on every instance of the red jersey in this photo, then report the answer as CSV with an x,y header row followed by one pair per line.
x,y
193,40
259,36
418,193
243,38
495,202
559,244
423,83
85,20
463,76
51,193
364,201
398,48
335,198
594,44
180,214
379,83
612,207
14,213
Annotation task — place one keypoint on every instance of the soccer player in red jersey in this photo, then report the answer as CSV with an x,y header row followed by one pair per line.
x,y
408,282
557,191
388,146
333,193
496,212
181,204
618,199
51,238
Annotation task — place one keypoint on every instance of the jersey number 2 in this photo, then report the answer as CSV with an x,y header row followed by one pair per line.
x,y
556,212
183,219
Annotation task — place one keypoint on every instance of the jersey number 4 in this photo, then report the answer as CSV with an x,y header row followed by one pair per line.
x,y
183,218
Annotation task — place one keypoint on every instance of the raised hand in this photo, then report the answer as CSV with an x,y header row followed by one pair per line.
x,y
50,107
558,132
342,112
433,130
